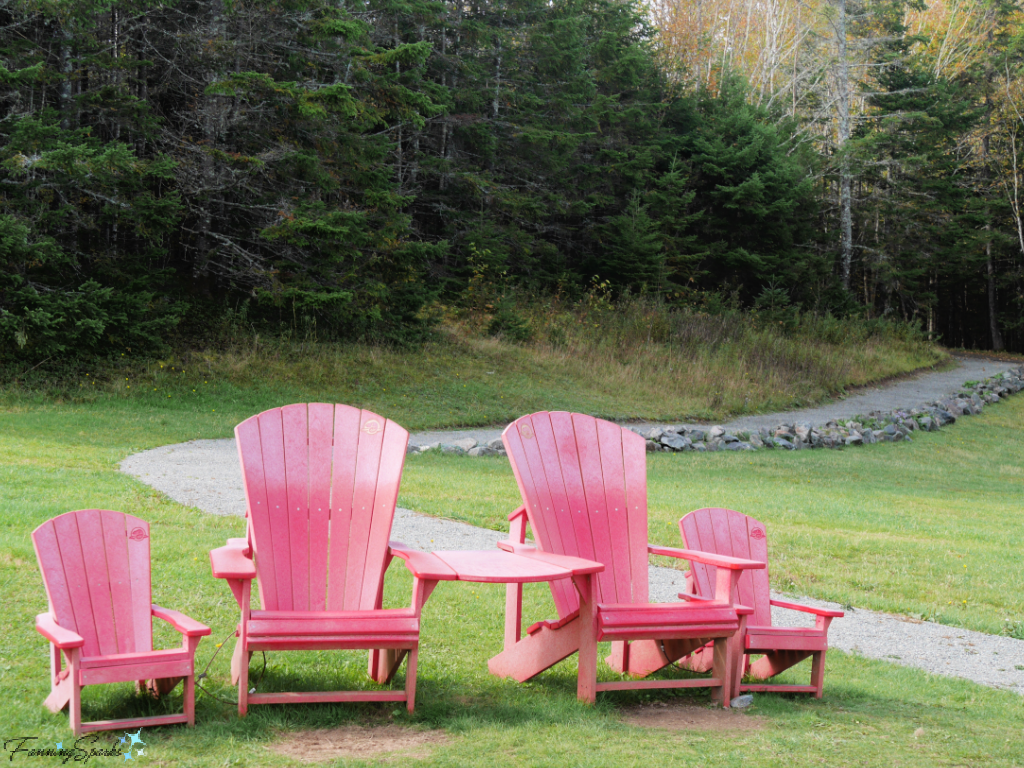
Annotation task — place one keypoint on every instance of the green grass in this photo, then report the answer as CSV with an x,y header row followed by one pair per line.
x,y
929,529
640,362
882,526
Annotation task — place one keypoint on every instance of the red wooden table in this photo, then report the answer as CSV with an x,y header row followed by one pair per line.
x,y
520,564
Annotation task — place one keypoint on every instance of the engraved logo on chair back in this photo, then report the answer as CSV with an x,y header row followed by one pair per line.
x,y
584,483
321,484
726,532
95,566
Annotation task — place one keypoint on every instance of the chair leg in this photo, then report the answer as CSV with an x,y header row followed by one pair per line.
x,y
243,683
236,661
60,683
410,679
190,699
725,670
586,682
75,709
818,673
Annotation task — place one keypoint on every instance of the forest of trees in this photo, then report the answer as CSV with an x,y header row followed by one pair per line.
x,y
165,164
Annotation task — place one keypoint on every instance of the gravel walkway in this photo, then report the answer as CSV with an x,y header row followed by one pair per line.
x,y
908,393
204,474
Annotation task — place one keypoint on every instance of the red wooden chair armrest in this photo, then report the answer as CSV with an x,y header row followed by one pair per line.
x,y
807,609
515,547
521,512
423,565
56,634
230,562
720,561
242,544
184,624
577,565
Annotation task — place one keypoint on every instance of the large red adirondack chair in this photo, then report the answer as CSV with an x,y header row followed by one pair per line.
x,y
95,566
321,483
584,484
723,531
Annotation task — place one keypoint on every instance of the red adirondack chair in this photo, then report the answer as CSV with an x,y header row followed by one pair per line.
x,y
723,531
584,484
95,566
321,483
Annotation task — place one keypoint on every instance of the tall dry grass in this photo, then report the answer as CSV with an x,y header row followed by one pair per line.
x,y
633,359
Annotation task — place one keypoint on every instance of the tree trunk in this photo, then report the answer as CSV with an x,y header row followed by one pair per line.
x,y
842,137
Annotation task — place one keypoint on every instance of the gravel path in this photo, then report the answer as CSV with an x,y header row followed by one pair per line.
x,y
205,474
908,393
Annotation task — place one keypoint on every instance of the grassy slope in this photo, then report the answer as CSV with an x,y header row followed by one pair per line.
x,y
712,368
59,457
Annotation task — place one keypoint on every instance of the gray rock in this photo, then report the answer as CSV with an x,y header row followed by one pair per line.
x,y
465,443
654,433
696,435
481,450
716,431
429,447
730,438
675,442
742,702
455,449
738,446
496,444
651,446
855,439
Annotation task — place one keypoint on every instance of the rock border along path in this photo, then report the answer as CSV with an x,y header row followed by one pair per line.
x,y
204,474
889,413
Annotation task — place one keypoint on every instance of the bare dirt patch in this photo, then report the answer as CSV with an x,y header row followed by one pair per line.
x,y
686,717
356,741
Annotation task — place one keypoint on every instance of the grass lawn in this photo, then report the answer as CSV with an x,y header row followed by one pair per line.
x,y
928,528
887,527
462,379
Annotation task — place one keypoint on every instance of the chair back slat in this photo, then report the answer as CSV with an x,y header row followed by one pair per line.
x,y
322,518
595,503
634,461
139,565
343,483
731,533
250,456
90,534
115,544
321,448
385,497
528,467
613,472
271,424
583,481
369,441
295,427
96,570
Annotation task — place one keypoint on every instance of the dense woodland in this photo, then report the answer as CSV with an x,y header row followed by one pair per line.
x,y
338,167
